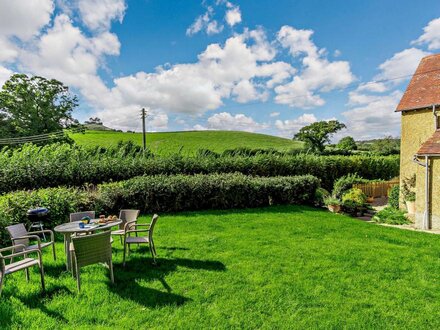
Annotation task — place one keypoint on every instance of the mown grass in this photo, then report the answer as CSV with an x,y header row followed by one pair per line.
x,y
277,267
189,142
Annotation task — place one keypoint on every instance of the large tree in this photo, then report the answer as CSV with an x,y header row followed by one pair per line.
x,y
316,135
347,143
34,105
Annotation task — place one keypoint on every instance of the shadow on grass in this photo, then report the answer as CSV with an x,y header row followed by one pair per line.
x,y
34,301
127,287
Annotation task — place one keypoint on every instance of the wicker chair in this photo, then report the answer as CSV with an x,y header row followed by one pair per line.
x,y
129,218
91,249
20,236
128,239
79,215
23,264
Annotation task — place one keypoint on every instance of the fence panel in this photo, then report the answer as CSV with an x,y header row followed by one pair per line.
x,y
376,189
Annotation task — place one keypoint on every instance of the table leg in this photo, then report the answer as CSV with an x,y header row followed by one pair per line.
x,y
67,249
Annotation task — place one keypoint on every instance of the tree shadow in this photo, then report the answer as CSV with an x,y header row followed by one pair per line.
x,y
127,277
34,301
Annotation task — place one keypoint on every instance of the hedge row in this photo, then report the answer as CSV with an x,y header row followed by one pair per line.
x,y
161,194
33,167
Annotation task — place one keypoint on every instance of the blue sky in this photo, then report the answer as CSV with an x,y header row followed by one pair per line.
x,y
259,66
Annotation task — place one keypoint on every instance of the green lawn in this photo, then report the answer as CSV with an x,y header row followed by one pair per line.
x,y
190,142
278,267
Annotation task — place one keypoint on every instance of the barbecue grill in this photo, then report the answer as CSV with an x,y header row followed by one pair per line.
x,y
37,217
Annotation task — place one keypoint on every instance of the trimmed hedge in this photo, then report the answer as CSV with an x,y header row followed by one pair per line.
x,y
33,167
161,194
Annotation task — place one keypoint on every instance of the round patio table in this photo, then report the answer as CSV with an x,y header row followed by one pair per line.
x,y
67,229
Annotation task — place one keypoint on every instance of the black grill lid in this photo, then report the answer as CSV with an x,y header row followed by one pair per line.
x,y
39,212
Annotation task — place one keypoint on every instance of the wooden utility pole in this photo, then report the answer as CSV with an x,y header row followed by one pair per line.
x,y
144,136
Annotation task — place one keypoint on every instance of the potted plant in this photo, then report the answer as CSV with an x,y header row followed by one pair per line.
x,y
409,195
333,204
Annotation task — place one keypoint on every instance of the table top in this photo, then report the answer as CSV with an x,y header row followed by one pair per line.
x,y
73,227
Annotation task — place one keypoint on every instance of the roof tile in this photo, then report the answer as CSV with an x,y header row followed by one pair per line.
x,y
424,88
431,146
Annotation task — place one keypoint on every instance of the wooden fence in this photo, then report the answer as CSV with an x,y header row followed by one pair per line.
x,y
377,189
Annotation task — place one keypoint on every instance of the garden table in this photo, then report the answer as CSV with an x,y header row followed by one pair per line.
x,y
67,229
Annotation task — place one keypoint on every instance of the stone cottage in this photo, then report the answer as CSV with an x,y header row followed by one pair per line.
x,y
420,146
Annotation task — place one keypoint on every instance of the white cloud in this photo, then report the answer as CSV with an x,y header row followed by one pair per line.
x,y
99,14
4,75
233,16
374,118
431,35
226,121
24,18
401,65
205,22
288,128
274,114
8,51
318,74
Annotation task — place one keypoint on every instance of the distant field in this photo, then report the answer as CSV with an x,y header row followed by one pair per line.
x,y
190,142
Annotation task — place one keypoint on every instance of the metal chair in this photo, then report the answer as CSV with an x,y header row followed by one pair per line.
x,y
20,236
91,249
127,216
79,215
23,264
128,239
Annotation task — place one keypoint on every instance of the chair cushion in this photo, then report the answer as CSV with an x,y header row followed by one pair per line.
x,y
138,240
20,265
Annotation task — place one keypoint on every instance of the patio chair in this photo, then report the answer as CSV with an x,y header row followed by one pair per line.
x,y
128,239
91,249
23,264
129,218
20,236
79,215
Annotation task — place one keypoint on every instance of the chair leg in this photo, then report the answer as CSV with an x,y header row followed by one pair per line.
x,y
26,271
78,279
152,253
110,266
43,287
53,251
1,284
125,251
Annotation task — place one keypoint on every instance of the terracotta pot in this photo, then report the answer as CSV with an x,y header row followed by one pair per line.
x,y
411,207
334,208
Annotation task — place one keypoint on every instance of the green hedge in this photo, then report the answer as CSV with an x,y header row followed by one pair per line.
x,y
32,167
161,194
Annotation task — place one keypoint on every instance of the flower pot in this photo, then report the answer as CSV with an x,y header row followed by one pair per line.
x,y
411,207
334,208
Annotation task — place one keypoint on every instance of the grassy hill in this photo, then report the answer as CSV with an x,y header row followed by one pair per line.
x,y
190,141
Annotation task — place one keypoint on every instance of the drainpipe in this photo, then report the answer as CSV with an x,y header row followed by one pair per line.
x,y
425,223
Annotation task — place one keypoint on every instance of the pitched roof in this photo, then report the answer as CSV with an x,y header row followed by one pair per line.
x,y
424,88
431,146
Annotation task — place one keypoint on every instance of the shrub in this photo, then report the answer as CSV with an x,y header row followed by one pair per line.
x,y
345,183
332,201
354,201
179,192
320,196
33,167
59,201
391,216
160,193
393,197
408,186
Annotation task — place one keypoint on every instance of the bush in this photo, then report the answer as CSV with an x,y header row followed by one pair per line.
x,y
32,167
354,201
393,197
320,196
160,193
59,201
345,183
391,216
216,191
329,200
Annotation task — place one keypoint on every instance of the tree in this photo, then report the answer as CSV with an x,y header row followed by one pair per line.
x,y
347,143
34,105
386,146
94,120
316,135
